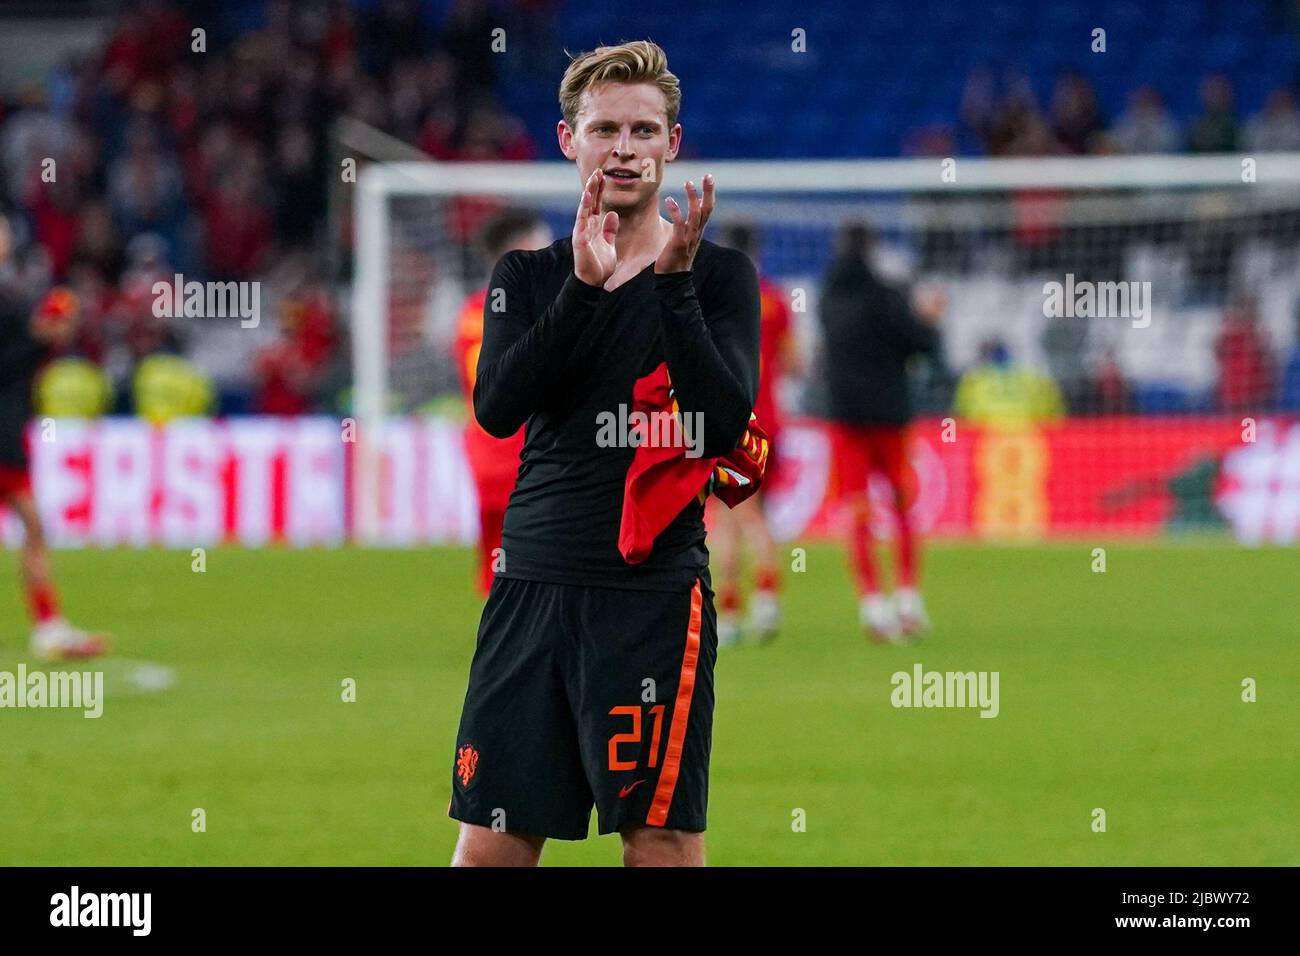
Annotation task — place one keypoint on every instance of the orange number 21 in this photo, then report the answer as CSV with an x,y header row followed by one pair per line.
x,y
634,736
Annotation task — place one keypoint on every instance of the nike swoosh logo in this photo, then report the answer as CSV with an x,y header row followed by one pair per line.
x,y
624,791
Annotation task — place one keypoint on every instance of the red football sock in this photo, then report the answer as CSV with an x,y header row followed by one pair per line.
x,y
729,598
906,549
864,562
766,579
44,603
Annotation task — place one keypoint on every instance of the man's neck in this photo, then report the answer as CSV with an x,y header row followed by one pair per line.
x,y
642,233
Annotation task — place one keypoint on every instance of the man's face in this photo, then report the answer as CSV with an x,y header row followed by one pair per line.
x,y
622,128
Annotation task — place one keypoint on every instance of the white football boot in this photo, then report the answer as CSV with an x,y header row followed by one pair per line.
x,y
912,619
877,617
57,640
728,629
765,615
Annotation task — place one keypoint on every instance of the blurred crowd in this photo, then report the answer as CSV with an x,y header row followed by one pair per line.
x,y
1252,376
1000,115
162,154
1251,373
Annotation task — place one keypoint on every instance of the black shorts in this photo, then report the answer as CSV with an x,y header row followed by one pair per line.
x,y
580,695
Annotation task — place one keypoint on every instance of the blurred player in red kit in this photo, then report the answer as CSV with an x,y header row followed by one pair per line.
x,y
27,340
494,462
870,332
746,526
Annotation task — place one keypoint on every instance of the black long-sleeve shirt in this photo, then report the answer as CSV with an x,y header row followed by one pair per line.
x,y
869,333
20,355
560,353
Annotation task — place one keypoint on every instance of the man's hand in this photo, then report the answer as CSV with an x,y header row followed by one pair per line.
x,y
594,258
679,253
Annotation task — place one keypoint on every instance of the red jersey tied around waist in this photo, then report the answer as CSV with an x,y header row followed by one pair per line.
x,y
663,479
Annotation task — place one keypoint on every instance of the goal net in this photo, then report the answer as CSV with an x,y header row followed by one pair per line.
x,y
1120,353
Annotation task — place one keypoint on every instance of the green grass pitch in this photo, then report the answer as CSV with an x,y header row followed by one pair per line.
x,y
1119,690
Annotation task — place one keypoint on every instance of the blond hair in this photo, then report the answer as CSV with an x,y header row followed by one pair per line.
x,y
640,61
